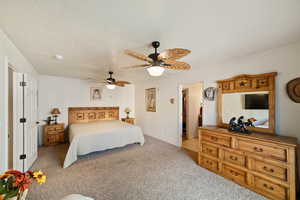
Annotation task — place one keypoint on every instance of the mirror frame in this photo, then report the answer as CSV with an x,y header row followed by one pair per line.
x,y
249,83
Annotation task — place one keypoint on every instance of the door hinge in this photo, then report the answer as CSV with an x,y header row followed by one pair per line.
x,y
23,157
23,120
23,84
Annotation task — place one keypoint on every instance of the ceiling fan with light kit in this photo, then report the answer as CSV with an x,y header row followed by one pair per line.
x,y
111,83
158,62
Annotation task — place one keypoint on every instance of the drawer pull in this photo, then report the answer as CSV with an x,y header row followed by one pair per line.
x,y
233,158
268,170
208,150
210,163
268,187
234,173
214,138
258,149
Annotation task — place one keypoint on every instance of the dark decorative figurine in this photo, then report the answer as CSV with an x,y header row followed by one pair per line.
x,y
240,126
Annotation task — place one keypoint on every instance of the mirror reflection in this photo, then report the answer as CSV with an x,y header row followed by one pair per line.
x,y
252,105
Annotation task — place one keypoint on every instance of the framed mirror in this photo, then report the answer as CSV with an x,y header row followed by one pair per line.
x,y
251,96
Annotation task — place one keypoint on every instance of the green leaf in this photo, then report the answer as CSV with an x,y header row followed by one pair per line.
x,y
11,194
3,189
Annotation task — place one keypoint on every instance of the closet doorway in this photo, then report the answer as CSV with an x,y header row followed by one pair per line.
x,y
191,107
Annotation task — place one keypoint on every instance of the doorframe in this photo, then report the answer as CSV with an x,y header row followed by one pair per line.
x,y
4,145
4,139
179,114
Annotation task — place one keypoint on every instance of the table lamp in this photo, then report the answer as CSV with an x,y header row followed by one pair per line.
x,y
55,112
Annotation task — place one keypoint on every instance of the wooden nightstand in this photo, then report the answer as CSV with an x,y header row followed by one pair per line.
x,y
128,120
54,134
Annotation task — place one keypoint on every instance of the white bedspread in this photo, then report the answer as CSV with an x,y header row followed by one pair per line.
x,y
98,136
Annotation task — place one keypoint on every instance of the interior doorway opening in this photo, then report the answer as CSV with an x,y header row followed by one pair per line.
x,y
192,110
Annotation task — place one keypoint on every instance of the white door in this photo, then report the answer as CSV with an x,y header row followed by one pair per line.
x,y
25,107
30,113
18,164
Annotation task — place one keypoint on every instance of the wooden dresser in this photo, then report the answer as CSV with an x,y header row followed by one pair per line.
x,y
54,134
261,162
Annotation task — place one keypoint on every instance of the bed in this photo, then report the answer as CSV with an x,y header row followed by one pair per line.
x,y
97,129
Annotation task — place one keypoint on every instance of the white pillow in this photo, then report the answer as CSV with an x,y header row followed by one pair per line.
x,y
76,197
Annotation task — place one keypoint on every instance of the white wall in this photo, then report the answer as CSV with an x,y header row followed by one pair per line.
x,y
68,92
8,53
164,123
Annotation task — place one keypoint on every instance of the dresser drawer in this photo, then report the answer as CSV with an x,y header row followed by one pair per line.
x,y
270,169
234,158
234,174
262,149
210,150
216,138
264,186
209,163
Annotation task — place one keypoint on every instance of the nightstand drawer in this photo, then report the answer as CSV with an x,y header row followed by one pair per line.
x,y
52,132
50,129
59,129
129,120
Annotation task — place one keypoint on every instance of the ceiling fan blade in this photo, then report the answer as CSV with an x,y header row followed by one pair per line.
x,y
173,54
136,66
122,82
138,55
119,84
173,64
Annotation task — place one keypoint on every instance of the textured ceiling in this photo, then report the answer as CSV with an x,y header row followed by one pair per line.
x,y
92,34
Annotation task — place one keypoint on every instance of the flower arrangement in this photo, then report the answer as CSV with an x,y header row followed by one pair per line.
x,y
15,184
127,111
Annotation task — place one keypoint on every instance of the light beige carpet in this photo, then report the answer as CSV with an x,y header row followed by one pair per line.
x,y
155,171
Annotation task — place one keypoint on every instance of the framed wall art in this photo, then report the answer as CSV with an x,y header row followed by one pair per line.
x,y
150,98
95,93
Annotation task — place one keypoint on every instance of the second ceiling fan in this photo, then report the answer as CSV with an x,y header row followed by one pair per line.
x,y
157,62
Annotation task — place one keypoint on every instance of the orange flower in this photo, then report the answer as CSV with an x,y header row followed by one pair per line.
x,y
14,172
23,182
4,176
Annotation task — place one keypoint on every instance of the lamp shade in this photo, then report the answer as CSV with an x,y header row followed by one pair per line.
x,y
127,110
111,86
55,111
155,70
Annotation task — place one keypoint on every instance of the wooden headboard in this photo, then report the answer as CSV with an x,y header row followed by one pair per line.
x,y
92,114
